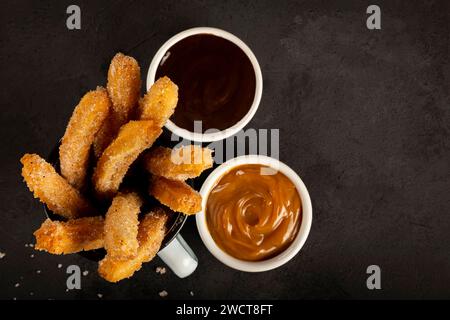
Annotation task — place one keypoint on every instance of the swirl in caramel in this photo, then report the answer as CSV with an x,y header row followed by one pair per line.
x,y
253,215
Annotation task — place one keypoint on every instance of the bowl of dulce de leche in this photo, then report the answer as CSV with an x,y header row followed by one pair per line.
x,y
256,213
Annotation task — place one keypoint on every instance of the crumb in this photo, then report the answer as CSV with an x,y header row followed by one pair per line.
x,y
59,266
163,294
99,295
67,290
31,293
191,293
32,256
85,273
26,245
14,298
17,285
2,255
160,270
31,245
38,271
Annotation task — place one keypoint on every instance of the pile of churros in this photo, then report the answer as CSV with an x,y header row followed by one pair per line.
x,y
109,130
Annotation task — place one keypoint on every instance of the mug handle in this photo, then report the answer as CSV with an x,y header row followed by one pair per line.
x,y
179,257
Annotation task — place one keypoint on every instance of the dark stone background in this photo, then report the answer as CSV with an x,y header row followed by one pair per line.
x,y
364,120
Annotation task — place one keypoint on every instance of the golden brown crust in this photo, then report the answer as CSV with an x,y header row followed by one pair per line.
x,y
124,85
121,226
52,189
150,236
176,195
75,235
107,133
133,138
85,122
179,164
160,101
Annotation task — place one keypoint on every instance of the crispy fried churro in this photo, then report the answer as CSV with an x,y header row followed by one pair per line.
x,y
75,235
107,133
150,236
180,164
160,101
133,138
52,189
176,195
121,226
85,122
124,84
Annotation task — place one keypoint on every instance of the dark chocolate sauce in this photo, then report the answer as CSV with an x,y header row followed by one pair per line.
x,y
216,81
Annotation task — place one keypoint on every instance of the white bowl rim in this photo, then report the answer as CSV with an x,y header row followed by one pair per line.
x,y
288,253
218,135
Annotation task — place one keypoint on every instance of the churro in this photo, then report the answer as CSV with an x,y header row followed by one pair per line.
x,y
75,235
160,101
176,195
121,226
180,164
52,189
124,84
133,138
86,120
150,236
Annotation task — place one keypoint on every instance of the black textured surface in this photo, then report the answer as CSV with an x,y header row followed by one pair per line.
x,y
364,119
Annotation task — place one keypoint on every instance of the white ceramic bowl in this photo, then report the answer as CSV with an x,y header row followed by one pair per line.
x,y
283,257
218,135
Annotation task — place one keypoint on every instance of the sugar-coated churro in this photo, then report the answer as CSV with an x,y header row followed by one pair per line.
x,y
176,195
86,120
150,236
180,164
75,235
133,138
52,189
160,101
121,226
124,84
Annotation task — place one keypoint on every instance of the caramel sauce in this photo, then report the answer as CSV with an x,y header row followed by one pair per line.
x,y
253,216
216,81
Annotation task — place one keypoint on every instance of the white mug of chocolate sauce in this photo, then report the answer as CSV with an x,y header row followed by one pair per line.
x,y
219,79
